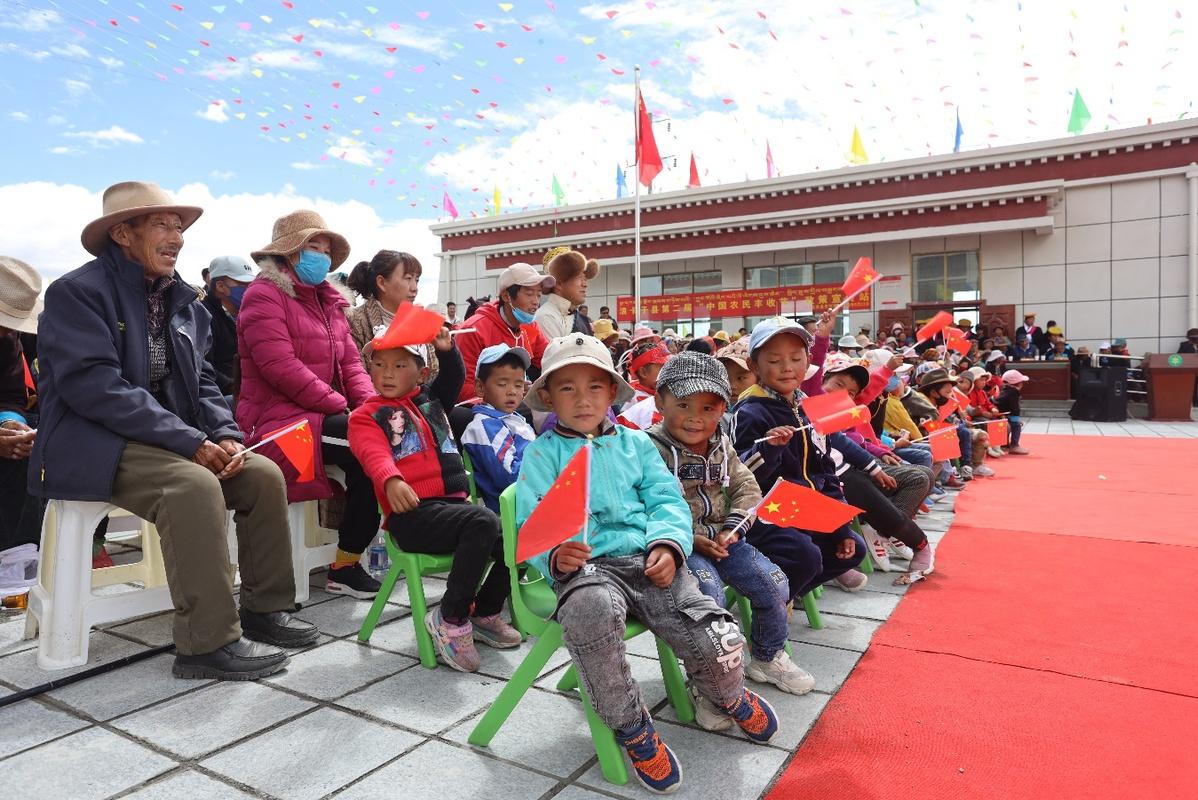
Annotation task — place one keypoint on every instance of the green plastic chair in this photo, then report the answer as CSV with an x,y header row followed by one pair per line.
x,y
745,611
469,467
533,603
867,563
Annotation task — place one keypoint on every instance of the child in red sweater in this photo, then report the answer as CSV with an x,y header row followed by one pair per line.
x,y
401,438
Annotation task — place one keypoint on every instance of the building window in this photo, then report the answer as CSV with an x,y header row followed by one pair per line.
x,y
708,281
823,272
650,285
946,277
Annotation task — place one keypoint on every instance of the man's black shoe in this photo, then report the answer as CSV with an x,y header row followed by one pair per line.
x,y
278,628
241,660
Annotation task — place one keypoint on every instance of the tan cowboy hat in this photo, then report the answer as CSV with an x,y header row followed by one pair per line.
x,y
293,232
20,286
123,202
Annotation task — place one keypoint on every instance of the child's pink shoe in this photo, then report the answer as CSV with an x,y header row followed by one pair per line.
x,y
455,643
494,630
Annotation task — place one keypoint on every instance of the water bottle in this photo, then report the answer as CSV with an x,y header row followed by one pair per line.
x,y
380,562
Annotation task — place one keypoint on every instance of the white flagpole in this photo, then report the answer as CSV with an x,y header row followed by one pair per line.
x,y
636,214
271,438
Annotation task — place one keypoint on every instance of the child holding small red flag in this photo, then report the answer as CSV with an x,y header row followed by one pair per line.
x,y
772,409
401,437
629,561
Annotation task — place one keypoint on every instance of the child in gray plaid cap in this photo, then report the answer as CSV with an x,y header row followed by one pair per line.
x,y
692,394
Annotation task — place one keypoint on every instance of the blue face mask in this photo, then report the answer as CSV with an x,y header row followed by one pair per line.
x,y
235,295
313,267
522,316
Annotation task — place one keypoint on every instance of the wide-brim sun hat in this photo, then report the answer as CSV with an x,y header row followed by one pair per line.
x,y
291,233
880,357
20,303
603,328
129,200
737,353
978,373
995,355
576,348
935,377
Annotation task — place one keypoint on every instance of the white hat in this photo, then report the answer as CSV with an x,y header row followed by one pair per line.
x,y
235,267
977,372
576,348
20,304
880,358
1013,376
995,355
848,341
522,274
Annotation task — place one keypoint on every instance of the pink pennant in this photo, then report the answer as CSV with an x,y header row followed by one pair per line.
x,y
422,14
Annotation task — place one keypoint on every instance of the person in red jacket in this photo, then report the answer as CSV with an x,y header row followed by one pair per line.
x,y
508,320
402,439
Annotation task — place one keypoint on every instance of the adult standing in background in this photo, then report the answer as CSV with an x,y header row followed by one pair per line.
x,y
571,270
20,512
1034,334
228,277
298,360
451,314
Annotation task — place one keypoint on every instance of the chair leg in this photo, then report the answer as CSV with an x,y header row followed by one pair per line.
x,y
675,683
521,681
424,641
569,679
818,591
813,618
611,756
380,603
867,563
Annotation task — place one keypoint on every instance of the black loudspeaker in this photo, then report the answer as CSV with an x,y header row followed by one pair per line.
x,y
1101,394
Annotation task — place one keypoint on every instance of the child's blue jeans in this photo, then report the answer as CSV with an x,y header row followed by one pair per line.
x,y
808,559
1016,429
965,437
747,571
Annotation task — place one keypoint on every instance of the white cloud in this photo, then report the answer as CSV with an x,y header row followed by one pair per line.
x,y
214,112
63,150
222,174
353,151
107,138
76,88
304,165
110,62
19,116
34,20
43,222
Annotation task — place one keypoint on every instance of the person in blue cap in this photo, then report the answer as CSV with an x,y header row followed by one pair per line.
x,y
497,435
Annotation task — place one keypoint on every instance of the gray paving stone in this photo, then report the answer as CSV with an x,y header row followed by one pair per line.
x,y
426,700
850,633
123,690
502,663
434,589
645,671
578,793
154,631
20,669
93,763
546,731
830,666
321,752
339,667
30,723
229,711
426,774
712,766
188,785
871,605
343,615
12,635
796,715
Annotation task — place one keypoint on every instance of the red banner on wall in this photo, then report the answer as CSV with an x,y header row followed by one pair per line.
x,y
738,302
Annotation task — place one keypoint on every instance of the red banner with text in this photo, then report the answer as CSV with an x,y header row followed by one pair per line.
x,y
738,302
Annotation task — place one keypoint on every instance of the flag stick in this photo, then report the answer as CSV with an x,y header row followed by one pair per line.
x,y
636,214
845,301
586,516
793,431
951,429
272,437
456,331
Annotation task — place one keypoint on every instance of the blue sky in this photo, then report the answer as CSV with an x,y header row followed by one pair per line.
x,y
371,111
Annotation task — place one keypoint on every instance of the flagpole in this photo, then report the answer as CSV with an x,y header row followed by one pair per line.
x,y
636,214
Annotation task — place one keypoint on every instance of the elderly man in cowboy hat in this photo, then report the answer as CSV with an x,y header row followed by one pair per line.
x,y
131,415
20,514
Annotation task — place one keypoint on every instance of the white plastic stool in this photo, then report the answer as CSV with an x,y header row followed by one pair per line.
x,y
62,604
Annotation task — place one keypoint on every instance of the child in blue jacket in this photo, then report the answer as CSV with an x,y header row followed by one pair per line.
x,y
778,356
495,439
628,562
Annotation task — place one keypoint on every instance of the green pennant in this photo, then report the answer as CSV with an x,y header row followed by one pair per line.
x,y
559,196
1079,116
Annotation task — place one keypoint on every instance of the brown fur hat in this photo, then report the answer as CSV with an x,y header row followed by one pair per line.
x,y
565,264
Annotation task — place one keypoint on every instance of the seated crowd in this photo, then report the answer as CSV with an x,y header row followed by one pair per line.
x,y
149,391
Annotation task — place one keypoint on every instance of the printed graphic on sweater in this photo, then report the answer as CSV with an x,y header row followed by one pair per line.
x,y
434,414
402,435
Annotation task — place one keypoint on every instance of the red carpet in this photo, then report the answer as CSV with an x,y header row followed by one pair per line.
x,y
1052,653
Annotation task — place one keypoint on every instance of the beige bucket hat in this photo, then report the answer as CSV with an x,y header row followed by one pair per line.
x,y
292,233
576,348
123,202
20,304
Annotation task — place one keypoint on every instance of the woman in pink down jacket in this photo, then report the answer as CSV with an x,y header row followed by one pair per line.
x,y
298,360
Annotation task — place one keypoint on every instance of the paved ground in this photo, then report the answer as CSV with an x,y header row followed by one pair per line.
x,y
1131,427
348,720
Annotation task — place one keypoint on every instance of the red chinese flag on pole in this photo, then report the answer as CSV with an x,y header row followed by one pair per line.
x,y
956,340
30,383
933,326
863,275
824,405
411,325
1000,433
942,436
693,183
948,408
789,505
295,442
562,512
648,160
841,420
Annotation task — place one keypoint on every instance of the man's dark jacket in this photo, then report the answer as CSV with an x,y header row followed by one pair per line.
x,y
93,384
223,355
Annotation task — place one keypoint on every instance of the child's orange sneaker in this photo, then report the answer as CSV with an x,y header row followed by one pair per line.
x,y
653,763
755,717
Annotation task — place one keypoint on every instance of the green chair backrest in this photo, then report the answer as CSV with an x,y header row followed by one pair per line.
x,y
507,518
469,466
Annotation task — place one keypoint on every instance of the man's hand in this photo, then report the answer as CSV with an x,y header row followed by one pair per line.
x,y
895,362
710,549
444,342
211,457
569,557
780,436
884,481
827,321
400,495
847,548
16,442
660,566
235,465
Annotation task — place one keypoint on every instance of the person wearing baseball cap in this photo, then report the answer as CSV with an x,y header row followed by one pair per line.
x,y
639,532
497,434
692,394
508,320
228,277
1007,402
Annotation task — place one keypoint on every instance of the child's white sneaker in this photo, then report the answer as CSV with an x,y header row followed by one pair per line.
x,y
923,561
707,715
983,471
781,672
900,550
877,548
995,452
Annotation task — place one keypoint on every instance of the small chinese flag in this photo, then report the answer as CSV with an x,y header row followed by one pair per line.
x,y
792,506
948,408
841,420
863,275
295,442
30,383
956,340
824,405
562,512
693,183
648,160
933,326
1000,433
411,325
942,436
